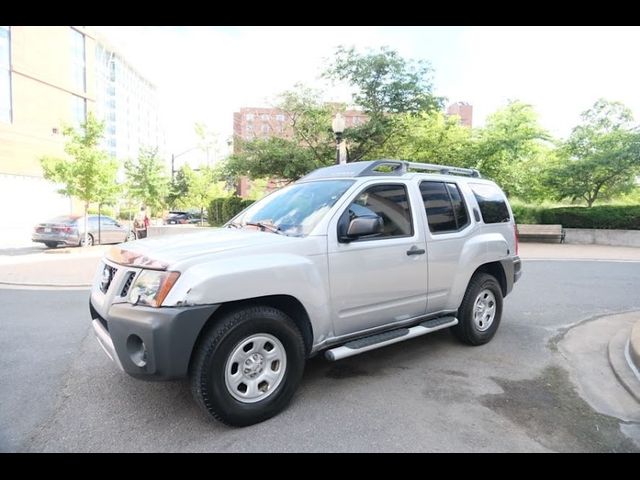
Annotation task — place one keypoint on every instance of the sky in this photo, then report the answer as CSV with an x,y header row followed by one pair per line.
x,y
204,74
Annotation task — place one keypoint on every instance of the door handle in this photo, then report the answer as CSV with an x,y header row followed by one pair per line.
x,y
416,251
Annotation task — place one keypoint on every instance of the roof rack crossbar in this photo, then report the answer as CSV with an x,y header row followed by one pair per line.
x,y
443,169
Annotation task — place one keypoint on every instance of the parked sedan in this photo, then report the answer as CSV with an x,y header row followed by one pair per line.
x,y
68,230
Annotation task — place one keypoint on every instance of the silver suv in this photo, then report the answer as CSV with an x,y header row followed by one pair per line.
x,y
348,259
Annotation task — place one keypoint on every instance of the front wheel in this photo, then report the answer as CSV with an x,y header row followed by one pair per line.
x,y
88,242
481,310
248,365
131,236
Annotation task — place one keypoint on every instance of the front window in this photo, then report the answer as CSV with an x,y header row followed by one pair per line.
x,y
295,210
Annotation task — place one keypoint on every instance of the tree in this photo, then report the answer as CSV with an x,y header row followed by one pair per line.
x,y
202,186
601,157
385,84
429,137
89,174
512,149
147,180
308,144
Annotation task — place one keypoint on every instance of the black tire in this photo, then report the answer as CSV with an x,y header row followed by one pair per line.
x,y
51,244
214,352
131,236
89,241
469,330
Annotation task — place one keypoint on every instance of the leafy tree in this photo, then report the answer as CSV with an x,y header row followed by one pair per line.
x,y
147,180
601,157
202,186
89,174
512,149
308,144
384,84
177,189
429,137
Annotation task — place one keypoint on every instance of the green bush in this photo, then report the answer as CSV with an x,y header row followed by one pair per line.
x,y
621,217
221,210
104,210
526,213
127,213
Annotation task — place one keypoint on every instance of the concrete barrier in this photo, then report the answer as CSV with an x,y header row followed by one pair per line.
x,y
587,236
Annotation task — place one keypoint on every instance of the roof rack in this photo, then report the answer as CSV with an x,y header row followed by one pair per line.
x,y
443,169
400,167
389,168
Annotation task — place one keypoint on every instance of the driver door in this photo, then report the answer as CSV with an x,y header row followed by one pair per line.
x,y
379,279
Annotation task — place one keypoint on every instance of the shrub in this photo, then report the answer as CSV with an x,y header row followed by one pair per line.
x,y
526,213
223,209
622,217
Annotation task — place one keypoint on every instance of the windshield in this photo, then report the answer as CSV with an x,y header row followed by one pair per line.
x,y
295,209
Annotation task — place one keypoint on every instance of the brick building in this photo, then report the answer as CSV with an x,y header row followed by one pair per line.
x,y
464,111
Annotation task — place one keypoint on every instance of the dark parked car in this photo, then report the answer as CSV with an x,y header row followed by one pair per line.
x,y
68,230
177,218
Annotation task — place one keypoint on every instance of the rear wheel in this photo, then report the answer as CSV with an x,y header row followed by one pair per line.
x,y
248,365
131,236
481,310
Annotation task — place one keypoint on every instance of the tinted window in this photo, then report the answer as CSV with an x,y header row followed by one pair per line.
x,y
459,209
437,204
389,202
444,206
493,205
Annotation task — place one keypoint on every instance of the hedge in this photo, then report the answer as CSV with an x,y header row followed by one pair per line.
x,y
619,217
223,209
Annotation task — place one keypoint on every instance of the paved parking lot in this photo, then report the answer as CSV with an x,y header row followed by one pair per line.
x,y
518,393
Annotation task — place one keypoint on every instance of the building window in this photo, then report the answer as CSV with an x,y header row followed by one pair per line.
x,y
5,74
265,128
78,110
280,117
265,117
248,117
78,61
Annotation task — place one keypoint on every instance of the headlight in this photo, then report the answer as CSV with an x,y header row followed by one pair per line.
x,y
151,287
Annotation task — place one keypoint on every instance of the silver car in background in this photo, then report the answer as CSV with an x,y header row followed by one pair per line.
x,y
68,230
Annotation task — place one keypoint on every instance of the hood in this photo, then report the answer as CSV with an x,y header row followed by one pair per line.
x,y
160,253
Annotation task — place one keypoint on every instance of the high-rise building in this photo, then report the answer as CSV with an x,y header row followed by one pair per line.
x,y
127,103
51,77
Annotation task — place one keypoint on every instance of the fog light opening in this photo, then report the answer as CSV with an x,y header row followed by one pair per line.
x,y
137,350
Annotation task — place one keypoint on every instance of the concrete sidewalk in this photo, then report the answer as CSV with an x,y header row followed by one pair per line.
x,y
556,251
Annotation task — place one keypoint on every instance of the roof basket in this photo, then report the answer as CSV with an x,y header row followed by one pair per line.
x,y
443,169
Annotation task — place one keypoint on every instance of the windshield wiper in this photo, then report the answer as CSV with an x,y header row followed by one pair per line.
x,y
265,226
234,225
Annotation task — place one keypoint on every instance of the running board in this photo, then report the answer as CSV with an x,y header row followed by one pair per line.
x,y
383,339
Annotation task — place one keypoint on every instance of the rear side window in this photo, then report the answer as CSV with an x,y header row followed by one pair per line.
x,y
446,211
493,205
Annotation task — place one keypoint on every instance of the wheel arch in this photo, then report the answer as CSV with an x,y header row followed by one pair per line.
x,y
285,303
496,270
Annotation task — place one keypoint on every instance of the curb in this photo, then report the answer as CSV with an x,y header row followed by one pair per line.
x,y
619,361
634,348
47,285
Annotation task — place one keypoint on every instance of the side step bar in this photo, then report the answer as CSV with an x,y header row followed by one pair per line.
x,y
383,339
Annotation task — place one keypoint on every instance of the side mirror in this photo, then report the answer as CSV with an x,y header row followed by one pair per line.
x,y
362,227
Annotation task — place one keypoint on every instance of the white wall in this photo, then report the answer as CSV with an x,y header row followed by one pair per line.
x,y
24,202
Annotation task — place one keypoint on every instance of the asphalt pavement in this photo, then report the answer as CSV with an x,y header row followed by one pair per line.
x,y
529,390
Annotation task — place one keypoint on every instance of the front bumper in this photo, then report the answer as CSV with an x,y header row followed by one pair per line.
x,y
145,342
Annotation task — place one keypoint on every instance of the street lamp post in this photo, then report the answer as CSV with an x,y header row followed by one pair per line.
x,y
173,161
337,126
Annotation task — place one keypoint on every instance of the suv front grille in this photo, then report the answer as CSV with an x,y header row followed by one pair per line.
x,y
127,284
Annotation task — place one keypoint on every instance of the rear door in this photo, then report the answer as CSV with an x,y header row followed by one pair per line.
x,y
383,279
